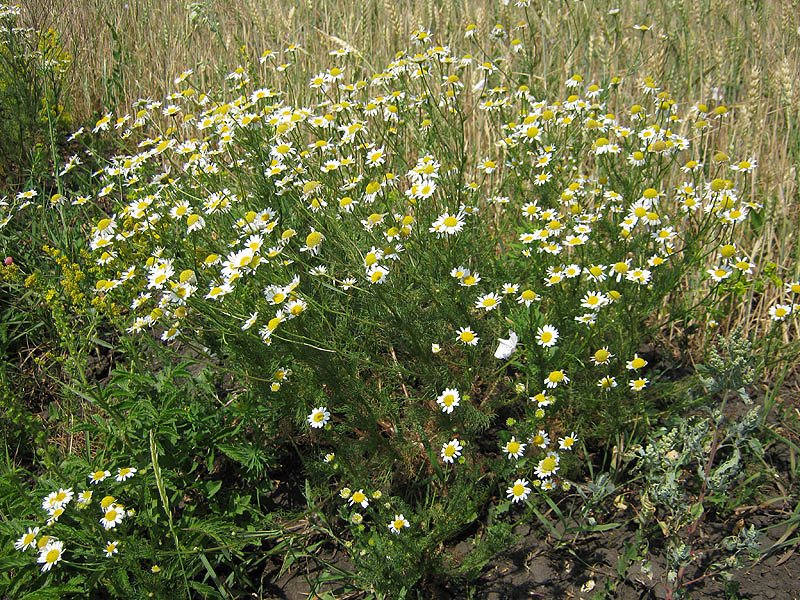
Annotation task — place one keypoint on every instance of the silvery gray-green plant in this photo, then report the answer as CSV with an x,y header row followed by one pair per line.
x,y
710,452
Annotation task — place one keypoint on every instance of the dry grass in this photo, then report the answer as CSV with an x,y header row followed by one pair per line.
x,y
744,54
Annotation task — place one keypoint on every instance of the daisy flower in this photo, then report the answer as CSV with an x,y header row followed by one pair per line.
x,y
719,273
619,270
487,166
541,439
55,513
112,516
568,441
602,356
27,540
542,399
594,300
398,523
451,450
50,554
547,466
467,337
57,499
251,320
84,498
546,336
111,548
527,297
636,363
519,491
436,348
596,272
792,287
488,301
377,274
469,279
779,312
459,272
556,377
746,267
359,497
512,288
448,400
513,448
639,384
607,383
319,417
125,473
447,224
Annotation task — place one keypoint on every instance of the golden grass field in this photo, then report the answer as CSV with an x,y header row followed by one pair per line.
x,y
745,55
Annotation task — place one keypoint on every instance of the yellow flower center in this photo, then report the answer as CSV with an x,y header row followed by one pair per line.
x,y
556,376
111,515
450,222
621,267
547,336
548,465
448,400
467,336
554,225
53,555
449,451
313,238
601,355
359,497
513,447
638,363
518,489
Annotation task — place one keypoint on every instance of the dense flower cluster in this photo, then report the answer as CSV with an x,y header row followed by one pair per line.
x,y
251,214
